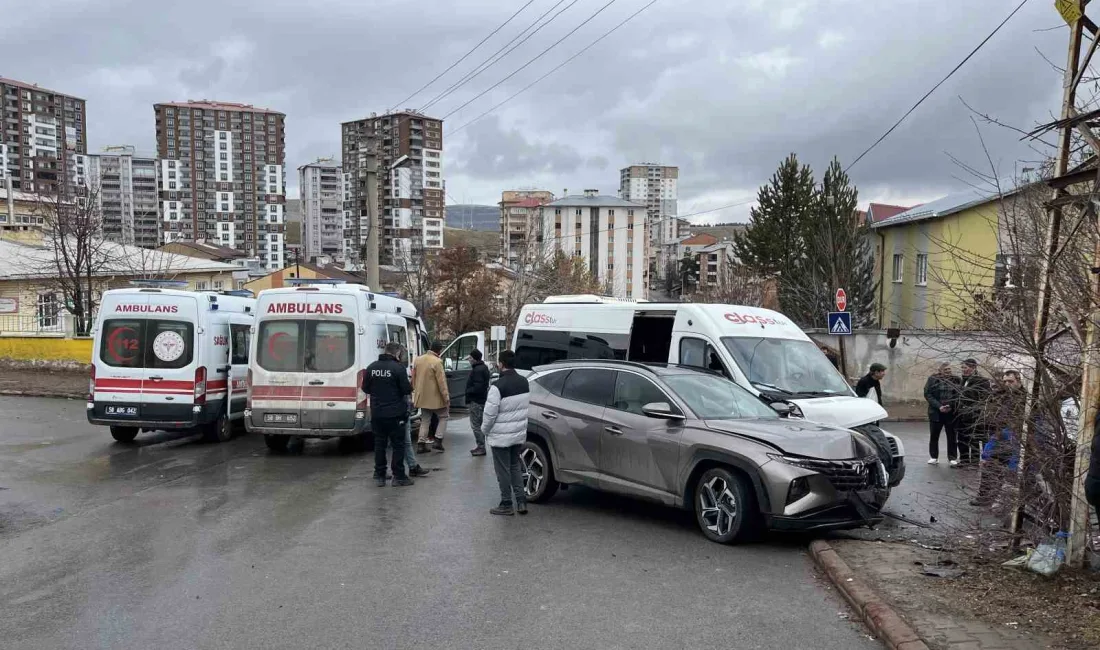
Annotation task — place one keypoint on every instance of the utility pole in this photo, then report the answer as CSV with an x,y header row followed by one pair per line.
x,y
375,217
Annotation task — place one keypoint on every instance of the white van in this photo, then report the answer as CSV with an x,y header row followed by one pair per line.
x,y
311,346
169,359
759,349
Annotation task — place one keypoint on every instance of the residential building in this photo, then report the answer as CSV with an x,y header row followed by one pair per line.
x,y
608,232
20,212
124,185
519,225
207,251
716,263
655,186
41,131
321,192
693,244
930,260
405,149
877,212
222,176
304,271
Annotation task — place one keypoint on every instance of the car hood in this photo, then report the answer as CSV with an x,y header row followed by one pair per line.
x,y
842,411
798,437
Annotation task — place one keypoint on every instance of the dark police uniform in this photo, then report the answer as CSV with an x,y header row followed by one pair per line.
x,y
387,383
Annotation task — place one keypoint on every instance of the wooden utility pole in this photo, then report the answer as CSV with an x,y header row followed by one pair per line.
x,y
375,226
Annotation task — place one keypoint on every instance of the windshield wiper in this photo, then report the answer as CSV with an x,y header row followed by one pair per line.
x,y
760,384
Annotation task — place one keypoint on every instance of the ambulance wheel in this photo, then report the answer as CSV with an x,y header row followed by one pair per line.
x,y
221,430
124,434
277,443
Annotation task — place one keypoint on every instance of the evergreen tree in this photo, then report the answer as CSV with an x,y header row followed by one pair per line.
x,y
773,243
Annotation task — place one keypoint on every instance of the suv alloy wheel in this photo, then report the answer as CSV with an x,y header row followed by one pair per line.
x,y
725,506
538,474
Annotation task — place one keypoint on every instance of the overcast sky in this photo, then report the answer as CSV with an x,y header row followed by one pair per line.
x,y
722,89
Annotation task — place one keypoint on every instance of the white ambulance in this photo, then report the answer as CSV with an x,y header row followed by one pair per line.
x,y
311,346
761,350
170,359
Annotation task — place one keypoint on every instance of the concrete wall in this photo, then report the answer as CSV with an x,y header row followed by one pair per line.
x,y
913,358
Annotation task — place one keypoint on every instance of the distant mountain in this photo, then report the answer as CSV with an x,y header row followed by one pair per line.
x,y
473,217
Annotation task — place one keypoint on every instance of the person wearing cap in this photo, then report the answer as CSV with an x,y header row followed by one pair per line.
x,y
872,381
974,392
477,391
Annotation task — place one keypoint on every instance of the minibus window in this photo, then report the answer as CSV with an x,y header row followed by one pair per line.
x,y
278,348
331,346
140,343
242,339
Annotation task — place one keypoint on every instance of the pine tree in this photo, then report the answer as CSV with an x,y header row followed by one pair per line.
x,y
773,243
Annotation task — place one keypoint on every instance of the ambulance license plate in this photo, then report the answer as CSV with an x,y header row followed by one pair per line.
x,y
280,418
128,411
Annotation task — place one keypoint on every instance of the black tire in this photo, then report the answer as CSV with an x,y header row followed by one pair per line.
x,y
725,506
538,489
220,430
276,443
124,434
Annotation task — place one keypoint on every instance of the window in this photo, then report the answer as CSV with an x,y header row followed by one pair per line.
x,y
201,285
327,346
899,267
141,343
922,269
553,381
632,392
539,347
590,386
714,398
48,310
242,339
701,354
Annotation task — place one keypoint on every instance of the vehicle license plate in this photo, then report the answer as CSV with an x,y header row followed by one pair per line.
x,y
129,411
280,418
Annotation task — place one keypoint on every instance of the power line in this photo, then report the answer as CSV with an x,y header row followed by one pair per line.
x,y
536,58
493,59
559,67
452,66
934,88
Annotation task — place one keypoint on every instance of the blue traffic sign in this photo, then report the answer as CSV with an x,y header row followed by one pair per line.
x,y
840,322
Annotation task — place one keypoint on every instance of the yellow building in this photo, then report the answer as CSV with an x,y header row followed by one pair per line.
x,y
932,260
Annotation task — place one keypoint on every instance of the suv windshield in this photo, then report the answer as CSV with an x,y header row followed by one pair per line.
x,y
792,367
712,397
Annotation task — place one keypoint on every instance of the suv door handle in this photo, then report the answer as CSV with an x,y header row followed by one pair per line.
x,y
316,382
615,431
550,415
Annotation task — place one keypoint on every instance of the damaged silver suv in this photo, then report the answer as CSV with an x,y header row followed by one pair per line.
x,y
687,438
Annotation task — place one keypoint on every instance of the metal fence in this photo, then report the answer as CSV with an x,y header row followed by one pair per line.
x,y
22,325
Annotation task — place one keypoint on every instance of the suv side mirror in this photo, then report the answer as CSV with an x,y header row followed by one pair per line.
x,y
661,411
782,408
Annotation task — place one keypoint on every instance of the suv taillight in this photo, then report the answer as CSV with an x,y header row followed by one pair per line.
x,y
200,385
91,385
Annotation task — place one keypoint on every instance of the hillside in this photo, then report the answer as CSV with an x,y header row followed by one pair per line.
x,y
473,217
487,243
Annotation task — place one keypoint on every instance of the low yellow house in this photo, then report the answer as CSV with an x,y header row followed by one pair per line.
x,y
303,271
932,260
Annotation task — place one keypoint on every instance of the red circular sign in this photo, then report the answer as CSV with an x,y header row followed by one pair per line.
x,y
279,345
122,345
841,299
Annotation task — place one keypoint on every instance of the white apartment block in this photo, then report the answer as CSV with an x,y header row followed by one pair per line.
x,y
124,184
655,186
607,232
322,188
222,177
41,130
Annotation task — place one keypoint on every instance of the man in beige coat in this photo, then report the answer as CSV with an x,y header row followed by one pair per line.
x,y
431,396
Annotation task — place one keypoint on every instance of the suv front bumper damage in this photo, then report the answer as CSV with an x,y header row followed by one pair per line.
x,y
853,510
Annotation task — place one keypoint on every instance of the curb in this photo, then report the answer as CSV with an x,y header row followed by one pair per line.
x,y
41,393
880,617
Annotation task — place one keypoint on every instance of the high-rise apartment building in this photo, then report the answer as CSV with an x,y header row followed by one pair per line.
x,y
321,192
607,232
222,177
40,132
654,186
124,185
405,150
519,211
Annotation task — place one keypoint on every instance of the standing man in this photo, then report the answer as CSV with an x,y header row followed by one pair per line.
x,y
941,393
477,391
872,382
974,391
506,431
431,396
387,383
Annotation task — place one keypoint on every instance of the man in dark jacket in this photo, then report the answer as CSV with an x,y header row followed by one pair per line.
x,y
941,393
1003,419
477,390
974,392
387,383
872,381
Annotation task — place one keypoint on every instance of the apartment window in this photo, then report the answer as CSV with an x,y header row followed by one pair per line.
x,y
223,136
225,177
922,269
48,310
899,267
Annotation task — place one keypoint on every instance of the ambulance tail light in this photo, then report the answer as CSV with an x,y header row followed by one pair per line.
x,y
200,385
248,388
362,402
91,385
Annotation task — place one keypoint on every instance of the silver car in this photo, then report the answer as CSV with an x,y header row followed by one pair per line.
x,y
687,438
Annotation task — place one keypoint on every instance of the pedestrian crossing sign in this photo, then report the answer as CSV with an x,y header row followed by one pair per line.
x,y
840,322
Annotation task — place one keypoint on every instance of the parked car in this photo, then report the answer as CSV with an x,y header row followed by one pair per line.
x,y
690,438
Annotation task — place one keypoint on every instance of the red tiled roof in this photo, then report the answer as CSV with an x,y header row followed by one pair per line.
x,y
525,203
702,239
883,211
220,106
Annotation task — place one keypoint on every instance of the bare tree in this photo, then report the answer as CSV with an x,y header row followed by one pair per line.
x,y
735,285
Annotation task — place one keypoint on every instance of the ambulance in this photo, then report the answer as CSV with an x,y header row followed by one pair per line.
x,y
761,350
164,358
311,345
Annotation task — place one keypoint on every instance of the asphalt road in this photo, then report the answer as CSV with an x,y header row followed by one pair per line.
x,y
172,543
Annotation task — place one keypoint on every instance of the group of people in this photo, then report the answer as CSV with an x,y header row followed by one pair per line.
x,y
498,416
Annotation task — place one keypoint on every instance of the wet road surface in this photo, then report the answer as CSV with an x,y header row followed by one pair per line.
x,y
171,543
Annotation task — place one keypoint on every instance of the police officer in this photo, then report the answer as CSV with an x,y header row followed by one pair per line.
x,y
388,385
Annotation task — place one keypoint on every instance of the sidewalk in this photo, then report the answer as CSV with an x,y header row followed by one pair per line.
x,y
43,383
